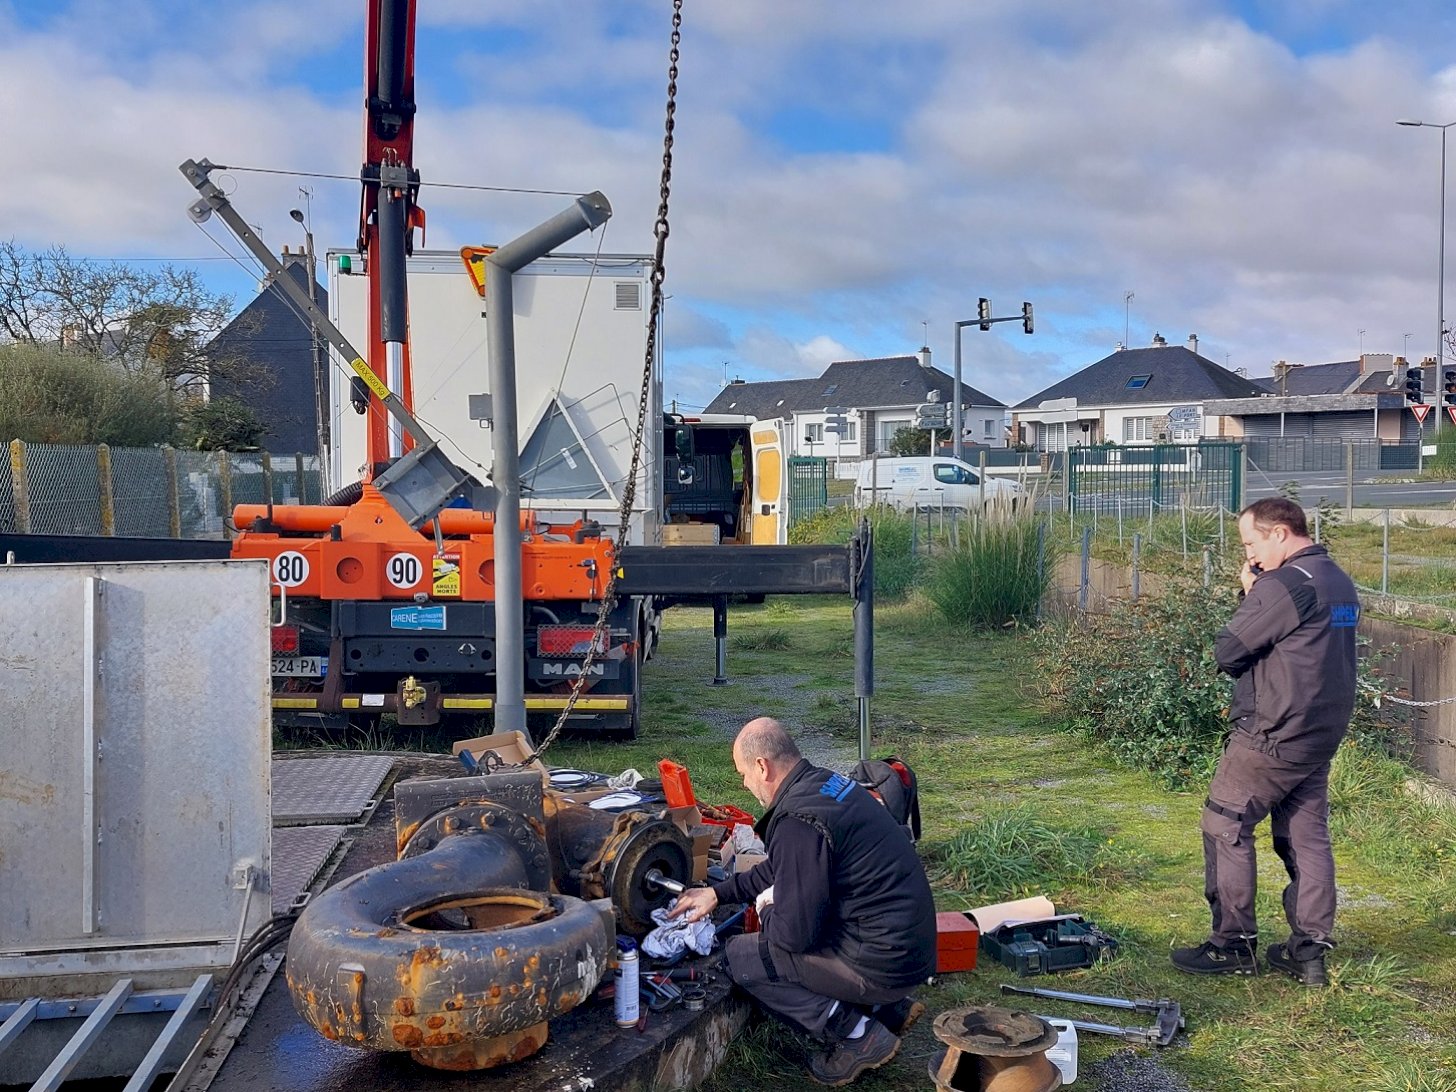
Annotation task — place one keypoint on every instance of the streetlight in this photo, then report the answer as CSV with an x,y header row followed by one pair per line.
x,y
1441,255
956,425
320,379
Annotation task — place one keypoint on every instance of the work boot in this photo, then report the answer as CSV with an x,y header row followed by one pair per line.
x,y
1307,972
848,1058
1239,957
899,1017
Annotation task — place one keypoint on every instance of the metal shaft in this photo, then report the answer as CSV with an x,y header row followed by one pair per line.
x,y
653,876
1085,998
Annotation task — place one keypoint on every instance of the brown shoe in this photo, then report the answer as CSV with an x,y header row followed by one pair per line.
x,y
899,1017
848,1058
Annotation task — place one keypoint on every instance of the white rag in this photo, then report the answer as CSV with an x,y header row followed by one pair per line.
x,y
744,840
671,937
764,900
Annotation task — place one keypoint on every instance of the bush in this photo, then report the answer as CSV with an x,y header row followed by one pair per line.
x,y
993,575
50,396
896,567
1013,852
1142,678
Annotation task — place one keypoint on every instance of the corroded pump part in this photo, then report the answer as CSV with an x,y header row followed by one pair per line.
x,y
993,1050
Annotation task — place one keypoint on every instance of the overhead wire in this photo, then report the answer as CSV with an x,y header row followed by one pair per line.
x,y
423,184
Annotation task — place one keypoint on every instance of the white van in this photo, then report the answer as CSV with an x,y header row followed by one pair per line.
x,y
928,481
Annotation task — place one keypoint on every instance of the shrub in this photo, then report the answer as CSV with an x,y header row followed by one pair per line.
x,y
50,396
1142,678
1012,852
896,567
993,575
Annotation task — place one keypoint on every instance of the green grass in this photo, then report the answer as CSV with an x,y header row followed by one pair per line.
x,y
1012,804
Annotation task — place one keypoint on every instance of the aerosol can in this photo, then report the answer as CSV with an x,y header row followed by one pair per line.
x,y
627,985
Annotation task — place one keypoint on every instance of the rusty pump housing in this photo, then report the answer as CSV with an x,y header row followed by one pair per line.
x,y
501,911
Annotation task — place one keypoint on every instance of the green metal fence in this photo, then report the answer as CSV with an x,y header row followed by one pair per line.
x,y
808,486
1143,479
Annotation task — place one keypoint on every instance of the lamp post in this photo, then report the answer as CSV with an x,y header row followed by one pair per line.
x,y
956,424
1440,262
320,379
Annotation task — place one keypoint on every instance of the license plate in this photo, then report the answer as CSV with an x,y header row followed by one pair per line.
x,y
306,666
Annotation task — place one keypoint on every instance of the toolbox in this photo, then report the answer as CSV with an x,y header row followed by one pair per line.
x,y
956,937
1062,943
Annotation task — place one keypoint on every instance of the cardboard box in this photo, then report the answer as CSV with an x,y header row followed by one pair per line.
x,y
690,534
956,941
511,747
742,862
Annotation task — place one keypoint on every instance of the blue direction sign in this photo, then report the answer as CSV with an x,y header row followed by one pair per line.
x,y
417,618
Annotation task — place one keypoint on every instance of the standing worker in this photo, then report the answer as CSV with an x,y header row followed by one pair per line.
x,y
850,929
1290,646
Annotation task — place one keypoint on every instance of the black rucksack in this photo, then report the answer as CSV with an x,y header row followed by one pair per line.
x,y
893,783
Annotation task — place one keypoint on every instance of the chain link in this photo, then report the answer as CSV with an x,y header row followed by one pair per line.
x,y
660,231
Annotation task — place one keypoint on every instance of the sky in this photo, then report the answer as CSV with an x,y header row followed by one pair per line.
x,y
849,176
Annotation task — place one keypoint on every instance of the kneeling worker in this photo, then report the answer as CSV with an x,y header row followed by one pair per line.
x,y
850,931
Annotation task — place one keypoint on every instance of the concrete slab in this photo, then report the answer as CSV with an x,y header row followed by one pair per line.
x,y
278,1052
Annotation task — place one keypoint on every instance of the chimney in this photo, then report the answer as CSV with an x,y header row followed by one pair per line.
x,y
1376,362
1159,340
1193,343
924,356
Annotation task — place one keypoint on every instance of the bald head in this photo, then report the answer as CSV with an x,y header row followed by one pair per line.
x,y
764,737
764,754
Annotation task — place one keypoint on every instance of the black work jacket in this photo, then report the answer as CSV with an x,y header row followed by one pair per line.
x,y
1290,647
846,879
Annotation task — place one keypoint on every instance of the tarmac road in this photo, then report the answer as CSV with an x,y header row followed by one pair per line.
x,y
1314,485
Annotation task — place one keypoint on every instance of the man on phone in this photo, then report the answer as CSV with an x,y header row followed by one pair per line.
x,y
1290,647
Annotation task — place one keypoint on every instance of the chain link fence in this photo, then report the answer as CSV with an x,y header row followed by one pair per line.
x,y
144,492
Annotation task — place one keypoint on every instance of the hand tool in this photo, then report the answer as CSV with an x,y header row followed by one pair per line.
x,y
1168,1013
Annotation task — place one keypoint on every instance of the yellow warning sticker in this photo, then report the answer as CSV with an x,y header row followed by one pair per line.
x,y
372,381
447,575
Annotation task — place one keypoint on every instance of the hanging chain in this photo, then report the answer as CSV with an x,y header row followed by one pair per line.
x,y
660,231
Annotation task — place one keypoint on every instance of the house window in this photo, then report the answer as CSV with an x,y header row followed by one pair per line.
x,y
850,433
1137,382
888,429
990,429
1137,430
814,433
1053,436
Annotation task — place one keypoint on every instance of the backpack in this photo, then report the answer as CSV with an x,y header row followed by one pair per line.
x,y
893,784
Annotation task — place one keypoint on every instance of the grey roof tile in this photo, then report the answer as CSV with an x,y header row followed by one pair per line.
x,y
1174,374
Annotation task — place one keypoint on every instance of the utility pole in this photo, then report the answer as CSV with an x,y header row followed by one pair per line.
x,y
320,377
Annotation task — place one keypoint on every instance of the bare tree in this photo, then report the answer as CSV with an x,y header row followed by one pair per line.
x,y
138,319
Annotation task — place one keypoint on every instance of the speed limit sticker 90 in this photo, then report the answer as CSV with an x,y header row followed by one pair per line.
x,y
403,570
290,569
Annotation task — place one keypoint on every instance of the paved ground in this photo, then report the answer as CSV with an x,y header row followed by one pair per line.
x,y
1331,484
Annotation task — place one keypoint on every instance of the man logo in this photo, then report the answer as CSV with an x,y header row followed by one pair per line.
x,y
572,670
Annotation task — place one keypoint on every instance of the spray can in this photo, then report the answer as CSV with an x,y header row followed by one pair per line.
x,y
627,984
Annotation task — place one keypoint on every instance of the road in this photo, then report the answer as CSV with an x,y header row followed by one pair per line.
x,y
1314,485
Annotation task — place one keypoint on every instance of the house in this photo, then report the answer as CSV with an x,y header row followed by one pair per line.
x,y
1134,396
272,333
878,397
1345,400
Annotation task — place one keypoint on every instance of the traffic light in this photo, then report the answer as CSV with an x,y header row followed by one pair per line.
x,y
1413,392
1026,323
983,312
1450,386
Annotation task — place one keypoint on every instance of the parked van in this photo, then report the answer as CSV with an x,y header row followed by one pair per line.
x,y
919,482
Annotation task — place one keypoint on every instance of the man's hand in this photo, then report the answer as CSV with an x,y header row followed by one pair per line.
x,y
1247,576
696,902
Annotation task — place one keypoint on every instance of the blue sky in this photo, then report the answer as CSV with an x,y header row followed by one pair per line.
x,y
846,171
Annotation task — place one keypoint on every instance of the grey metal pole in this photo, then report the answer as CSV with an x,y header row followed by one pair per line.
x,y
1207,566
864,637
1041,564
1316,523
957,448
585,213
1385,556
1137,557
1441,291
1086,568
1349,481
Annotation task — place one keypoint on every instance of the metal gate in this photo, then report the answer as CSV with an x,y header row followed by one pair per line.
x,y
808,486
1137,479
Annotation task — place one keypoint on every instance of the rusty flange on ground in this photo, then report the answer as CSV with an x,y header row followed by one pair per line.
x,y
990,1049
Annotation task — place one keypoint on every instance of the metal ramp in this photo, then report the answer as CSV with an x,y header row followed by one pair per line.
x,y
98,1015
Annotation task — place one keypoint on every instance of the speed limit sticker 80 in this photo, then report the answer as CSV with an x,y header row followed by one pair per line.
x,y
290,569
404,571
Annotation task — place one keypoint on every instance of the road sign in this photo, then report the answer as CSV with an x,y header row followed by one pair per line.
x,y
1420,410
1184,416
1452,411
836,423
931,423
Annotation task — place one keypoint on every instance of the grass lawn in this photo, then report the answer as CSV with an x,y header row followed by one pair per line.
x,y
964,713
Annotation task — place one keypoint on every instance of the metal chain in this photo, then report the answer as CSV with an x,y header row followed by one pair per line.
x,y
1411,701
660,231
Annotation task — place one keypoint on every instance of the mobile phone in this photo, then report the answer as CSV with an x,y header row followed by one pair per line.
x,y
1255,568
